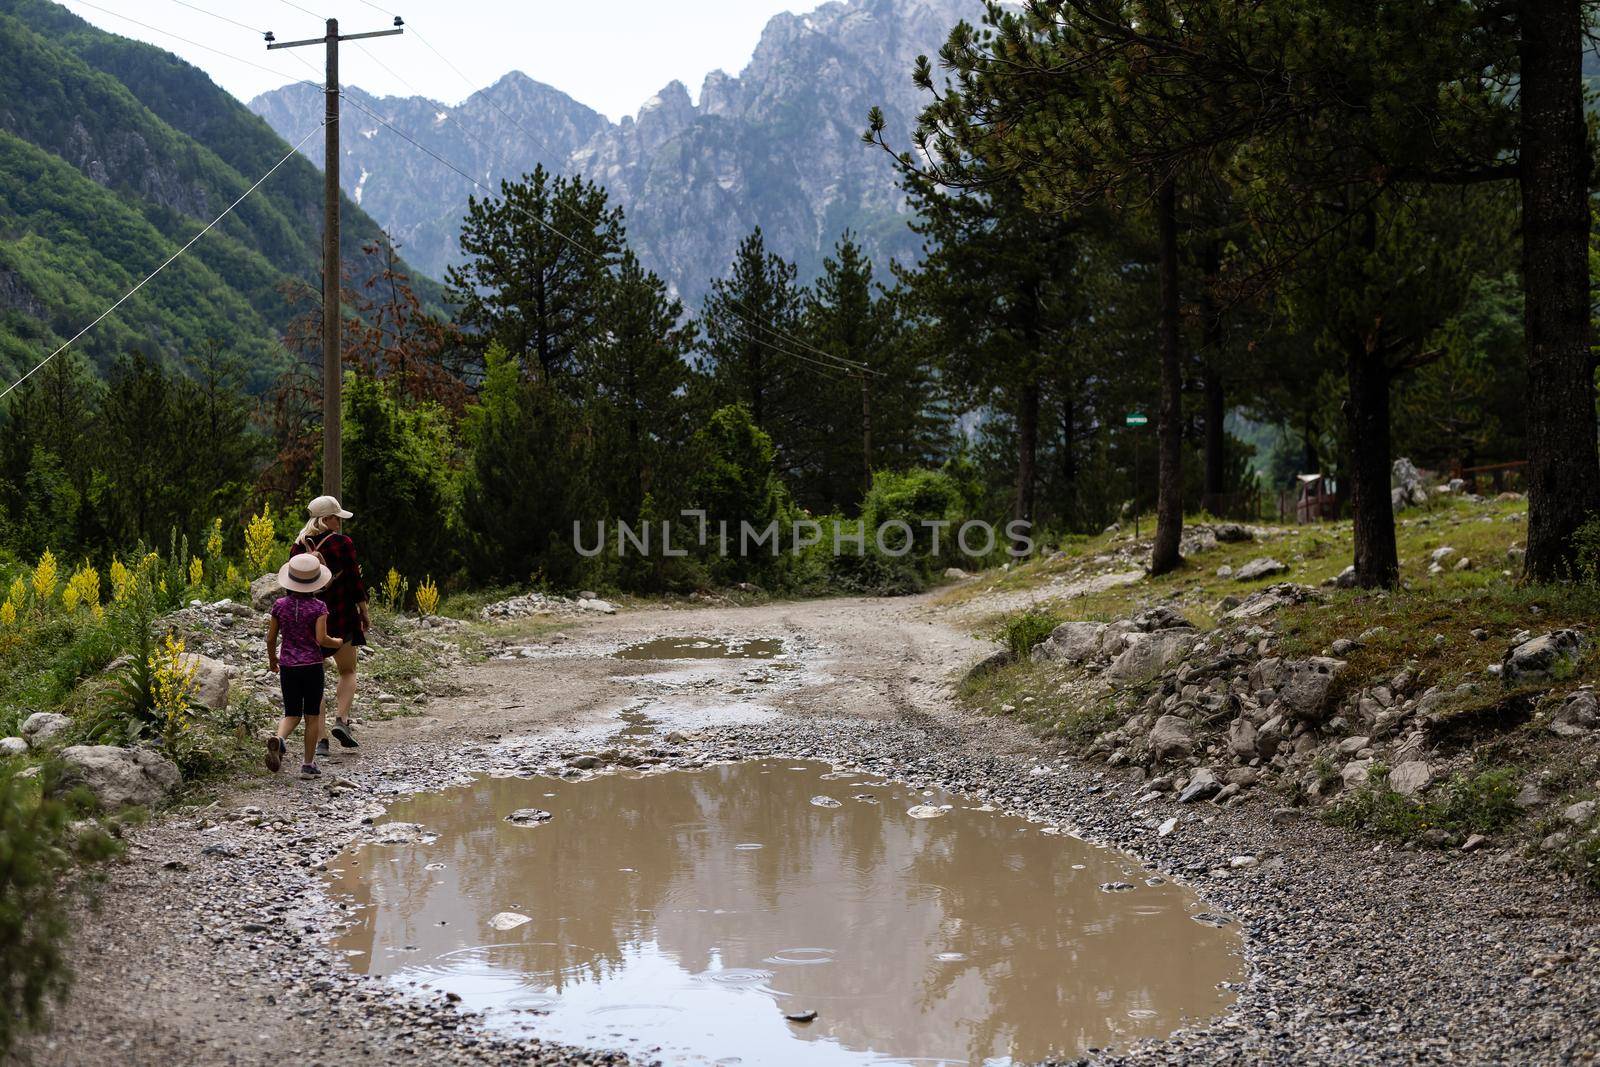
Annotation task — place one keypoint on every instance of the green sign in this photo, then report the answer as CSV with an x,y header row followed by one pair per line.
x,y
1136,418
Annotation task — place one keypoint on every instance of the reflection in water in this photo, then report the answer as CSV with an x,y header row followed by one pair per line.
x,y
704,648
968,938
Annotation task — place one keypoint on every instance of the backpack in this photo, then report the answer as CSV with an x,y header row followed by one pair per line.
x,y
315,549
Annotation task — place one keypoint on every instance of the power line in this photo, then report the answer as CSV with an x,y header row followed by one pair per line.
x,y
215,15
169,260
188,41
307,10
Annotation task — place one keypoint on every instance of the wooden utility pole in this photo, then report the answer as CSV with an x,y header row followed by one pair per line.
x,y
332,368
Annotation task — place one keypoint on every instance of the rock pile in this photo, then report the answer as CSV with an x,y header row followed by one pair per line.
x,y
1211,716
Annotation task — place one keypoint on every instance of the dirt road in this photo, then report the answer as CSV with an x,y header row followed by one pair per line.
x,y
210,943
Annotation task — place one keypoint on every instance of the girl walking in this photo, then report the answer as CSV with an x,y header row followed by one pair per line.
x,y
323,539
301,620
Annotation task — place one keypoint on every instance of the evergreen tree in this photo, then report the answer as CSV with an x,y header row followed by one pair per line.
x,y
748,321
878,418
638,368
527,481
536,261
397,477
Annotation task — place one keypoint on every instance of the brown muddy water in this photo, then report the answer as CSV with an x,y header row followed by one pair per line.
x,y
703,648
684,915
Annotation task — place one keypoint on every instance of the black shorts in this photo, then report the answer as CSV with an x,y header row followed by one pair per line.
x,y
302,689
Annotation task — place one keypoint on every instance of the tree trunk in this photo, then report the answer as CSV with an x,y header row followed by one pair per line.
x,y
1027,449
1377,561
1216,440
866,433
1169,464
1069,460
1563,471
1216,443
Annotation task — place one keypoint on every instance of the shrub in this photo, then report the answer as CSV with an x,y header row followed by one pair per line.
x,y
1021,633
41,855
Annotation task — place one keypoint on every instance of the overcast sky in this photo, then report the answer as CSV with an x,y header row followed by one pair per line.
x,y
610,54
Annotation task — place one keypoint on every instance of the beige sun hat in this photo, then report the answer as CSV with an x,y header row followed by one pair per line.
x,y
303,574
326,507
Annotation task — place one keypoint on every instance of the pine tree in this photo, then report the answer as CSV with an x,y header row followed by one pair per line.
x,y
638,367
748,321
879,417
536,261
528,479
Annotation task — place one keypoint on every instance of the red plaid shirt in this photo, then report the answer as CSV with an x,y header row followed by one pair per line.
x,y
346,590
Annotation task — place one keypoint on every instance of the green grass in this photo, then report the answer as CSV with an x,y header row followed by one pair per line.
x,y
1480,802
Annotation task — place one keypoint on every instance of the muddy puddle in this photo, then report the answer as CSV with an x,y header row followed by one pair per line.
x,y
703,648
687,915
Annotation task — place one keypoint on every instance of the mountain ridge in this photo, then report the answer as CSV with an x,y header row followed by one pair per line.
x,y
776,146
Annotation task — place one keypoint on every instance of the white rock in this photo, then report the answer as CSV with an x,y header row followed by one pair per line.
x,y
925,811
210,678
118,777
1167,827
41,726
508,920
1410,778
13,746
604,607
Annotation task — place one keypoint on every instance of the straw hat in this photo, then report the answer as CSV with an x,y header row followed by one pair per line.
x,y
326,507
303,574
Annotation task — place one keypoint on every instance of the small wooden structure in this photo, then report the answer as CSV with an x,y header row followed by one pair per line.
x,y
1316,498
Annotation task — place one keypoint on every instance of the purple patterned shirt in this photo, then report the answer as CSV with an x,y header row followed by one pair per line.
x,y
297,625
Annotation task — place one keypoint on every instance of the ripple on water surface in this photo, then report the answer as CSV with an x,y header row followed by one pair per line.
x,y
654,924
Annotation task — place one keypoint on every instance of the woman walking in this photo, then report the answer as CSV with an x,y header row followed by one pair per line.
x,y
346,596
301,620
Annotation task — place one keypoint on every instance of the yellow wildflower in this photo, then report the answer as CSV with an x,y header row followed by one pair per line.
x,y
44,577
197,572
427,597
214,540
121,581
8,615
260,543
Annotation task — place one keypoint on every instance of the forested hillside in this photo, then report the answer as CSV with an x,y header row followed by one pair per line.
x,y
114,153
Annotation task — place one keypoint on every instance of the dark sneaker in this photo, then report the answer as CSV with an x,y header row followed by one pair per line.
x,y
345,731
274,754
322,747
310,770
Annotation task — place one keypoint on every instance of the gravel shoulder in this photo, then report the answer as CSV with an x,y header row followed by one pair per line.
x,y
208,944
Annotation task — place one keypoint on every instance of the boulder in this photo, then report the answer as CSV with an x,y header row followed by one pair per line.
x,y
1071,642
1232,532
1264,602
1000,657
41,726
264,592
1407,481
1410,778
210,680
1203,786
1160,618
116,776
1270,736
1243,739
1171,738
955,574
1262,567
1579,814
604,607
1439,555
1150,655
1304,686
1539,658
1578,715
1355,773
13,746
